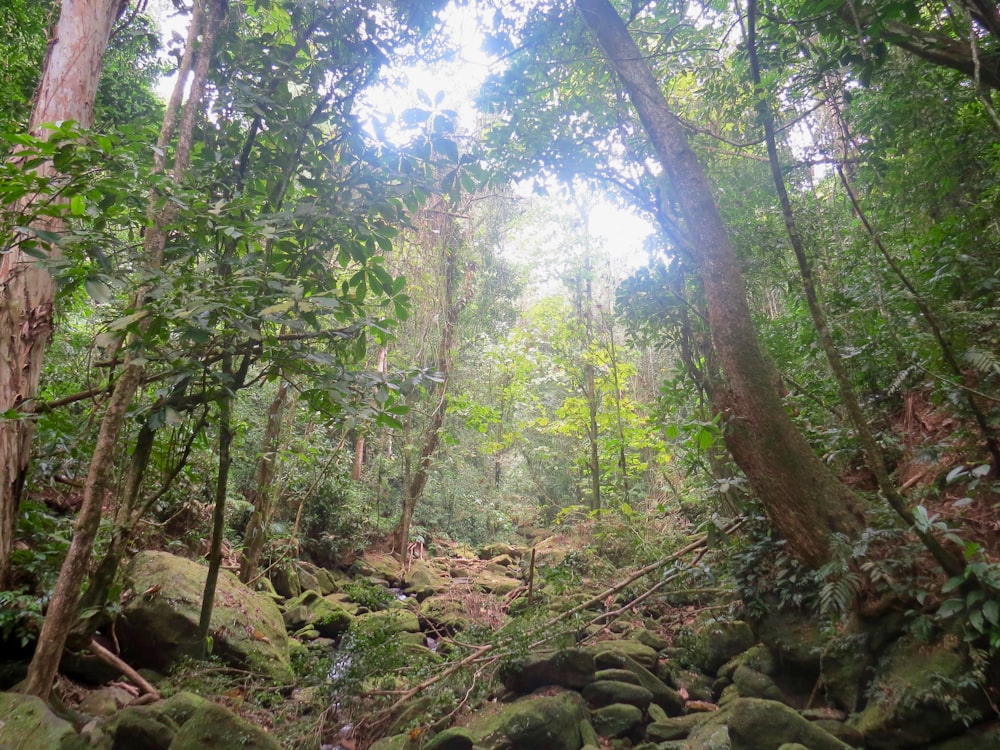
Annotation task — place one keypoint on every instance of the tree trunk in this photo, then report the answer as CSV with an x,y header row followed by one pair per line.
x,y
803,499
63,607
263,489
66,91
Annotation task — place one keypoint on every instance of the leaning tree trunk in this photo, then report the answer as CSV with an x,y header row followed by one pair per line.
x,y
66,91
804,500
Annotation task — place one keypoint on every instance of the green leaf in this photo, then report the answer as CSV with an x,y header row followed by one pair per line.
x,y
78,205
951,607
98,290
991,611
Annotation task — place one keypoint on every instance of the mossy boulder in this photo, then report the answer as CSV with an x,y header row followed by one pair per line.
x,y
379,566
922,693
756,724
618,720
396,619
608,692
312,610
142,728
978,738
534,722
571,668
181,706
716,642
444,613
423,580
753,684
158,625
677,728
455,738
607,653
212,726
664,696
27,723
495,581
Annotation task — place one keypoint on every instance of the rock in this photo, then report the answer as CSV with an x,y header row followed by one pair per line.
x,y
499,549
665,730
497,582
571,668
105,701
753,684
396,742
423,580
756,724
285,581
665,697
589,735
326,616
793,746
656,713
534,722
212,726
921,694
620,675
181,706
159,623
26,723
617,720
718,642
375,565
396,620
608,692
843,732
142,728
651,639
319,579
606,653
697,685
713,734
455,738
444,613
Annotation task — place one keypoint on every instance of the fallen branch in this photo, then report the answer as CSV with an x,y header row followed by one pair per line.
x,y
109,658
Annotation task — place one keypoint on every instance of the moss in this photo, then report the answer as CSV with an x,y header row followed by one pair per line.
x,y
212,726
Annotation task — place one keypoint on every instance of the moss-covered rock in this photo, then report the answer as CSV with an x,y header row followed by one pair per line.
x,y
648,638
619,720
495,581
754,684
571,668
159,623
423,580
663,696
142,728
608,692
534,722
977,738
26,723
606,653
181,706
456,738
677,728
922,693
312,610
396,620
756,724
717,642
444,613
212,726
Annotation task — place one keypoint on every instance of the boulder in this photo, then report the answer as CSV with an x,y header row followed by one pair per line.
x,y
534,722
756,724
26,723
618,720
455,738
719,641
423,580
105,701
678,728
607,653
142,728
608,692
663,696
649,638
753,684
310,609
499,549
181,706
571,668
159,623
495,582
376,565
212,726
977,738
397,620
922,693
444,613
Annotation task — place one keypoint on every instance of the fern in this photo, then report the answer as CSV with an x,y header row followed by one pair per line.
x,y
983,361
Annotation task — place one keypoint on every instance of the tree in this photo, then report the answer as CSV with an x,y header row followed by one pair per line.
x,y
67,91
804,500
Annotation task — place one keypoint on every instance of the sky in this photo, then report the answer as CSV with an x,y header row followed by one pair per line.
x,y
621,231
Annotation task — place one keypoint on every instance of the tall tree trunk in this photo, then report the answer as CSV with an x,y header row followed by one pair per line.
x,y
263,486
67,91
63,606
804,500
873,453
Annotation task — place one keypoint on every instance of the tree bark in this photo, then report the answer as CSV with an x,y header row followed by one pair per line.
x,y
263,489
804,500
67,91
